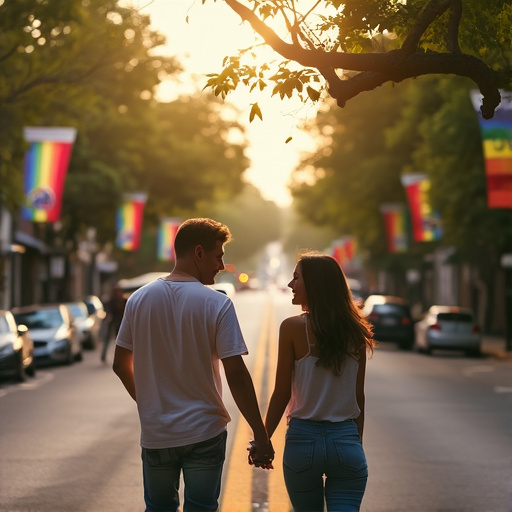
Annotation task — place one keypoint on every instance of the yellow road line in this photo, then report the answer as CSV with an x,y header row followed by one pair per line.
x,y
237,488
277,496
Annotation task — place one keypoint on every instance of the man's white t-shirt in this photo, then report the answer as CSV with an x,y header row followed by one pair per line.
x,y
178,332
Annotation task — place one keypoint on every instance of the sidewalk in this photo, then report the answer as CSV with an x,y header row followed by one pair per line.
x,y
496,346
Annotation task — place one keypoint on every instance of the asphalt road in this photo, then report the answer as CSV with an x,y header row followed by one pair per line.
x,y
438,433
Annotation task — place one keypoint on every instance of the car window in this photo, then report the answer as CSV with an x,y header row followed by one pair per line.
x,y
77,310
391,309
4,325
40,319
455,317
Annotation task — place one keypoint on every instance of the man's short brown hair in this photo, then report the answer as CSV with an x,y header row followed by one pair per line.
x,y
201,231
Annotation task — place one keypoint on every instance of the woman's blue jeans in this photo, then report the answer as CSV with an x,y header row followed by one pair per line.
x,y
201,464
315,449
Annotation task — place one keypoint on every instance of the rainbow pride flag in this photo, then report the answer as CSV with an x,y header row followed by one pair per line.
x,y
426,223
129,221
343,250
45,167
497,148
395,221
165,239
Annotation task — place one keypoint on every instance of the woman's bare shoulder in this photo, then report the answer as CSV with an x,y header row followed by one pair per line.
x,y
292,321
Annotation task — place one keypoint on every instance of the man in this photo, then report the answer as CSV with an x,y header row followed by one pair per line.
x,y
173,334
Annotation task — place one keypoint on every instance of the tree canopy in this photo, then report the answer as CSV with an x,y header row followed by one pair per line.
x,y
350,46
95,66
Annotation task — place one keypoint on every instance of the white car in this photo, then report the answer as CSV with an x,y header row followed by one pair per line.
x,y
448,328
53,329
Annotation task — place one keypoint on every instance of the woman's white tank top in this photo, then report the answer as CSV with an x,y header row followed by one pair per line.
x,y
317,394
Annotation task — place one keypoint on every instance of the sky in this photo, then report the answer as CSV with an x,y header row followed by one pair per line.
x,y
201,36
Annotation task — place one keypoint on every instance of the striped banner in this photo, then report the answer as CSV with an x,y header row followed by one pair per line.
x,y
395,221
426,223
45,167
129,221
497,148
165,240
343,250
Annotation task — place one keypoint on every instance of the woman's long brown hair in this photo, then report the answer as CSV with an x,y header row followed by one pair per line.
x,y
336,320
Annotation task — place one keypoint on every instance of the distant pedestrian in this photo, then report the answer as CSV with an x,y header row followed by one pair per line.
x,y
174,334
114,309
320,382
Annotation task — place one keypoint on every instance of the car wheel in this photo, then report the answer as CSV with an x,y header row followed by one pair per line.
x,y
69,357
406,345
90,343
20,371
79,356
31,368
474,352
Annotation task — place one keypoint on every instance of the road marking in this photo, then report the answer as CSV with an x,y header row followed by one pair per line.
x,y
277,494
237,490
502,389
478,369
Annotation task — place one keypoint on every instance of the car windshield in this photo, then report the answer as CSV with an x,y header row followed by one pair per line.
x,y
4,325
455,317
391,309
77,310
40,319
90,308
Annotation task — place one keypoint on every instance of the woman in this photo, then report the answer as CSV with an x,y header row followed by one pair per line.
x,y
320,382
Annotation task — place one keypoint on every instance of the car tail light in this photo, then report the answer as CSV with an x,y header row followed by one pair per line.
x,y
435,327
406,321
475,329
373,317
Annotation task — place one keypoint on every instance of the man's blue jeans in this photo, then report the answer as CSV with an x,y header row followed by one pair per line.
x,y
317,448
201,464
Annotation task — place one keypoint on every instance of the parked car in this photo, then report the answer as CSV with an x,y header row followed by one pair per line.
x,y
225,288
391,319
97,314
449,328
16,348
85,324
53,329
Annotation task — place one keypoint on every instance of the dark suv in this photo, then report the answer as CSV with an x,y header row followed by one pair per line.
x,y
391,319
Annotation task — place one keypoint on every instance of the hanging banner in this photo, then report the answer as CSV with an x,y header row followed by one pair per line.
x,y
426,223
497,148
129,221
45,167
344,252
165,240
395,221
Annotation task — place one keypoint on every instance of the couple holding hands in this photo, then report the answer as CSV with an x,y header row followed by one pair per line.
x,y
174,335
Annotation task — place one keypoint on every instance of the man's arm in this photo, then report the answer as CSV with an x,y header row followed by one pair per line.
x,y
123,368
242,388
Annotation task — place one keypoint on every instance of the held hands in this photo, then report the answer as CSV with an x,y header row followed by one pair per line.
x,y
260,456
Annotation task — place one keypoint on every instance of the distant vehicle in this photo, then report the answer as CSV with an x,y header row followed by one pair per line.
x,y
448,328
226,288
84,323
130,285
356,288
391,319
53,329
97,315
16,348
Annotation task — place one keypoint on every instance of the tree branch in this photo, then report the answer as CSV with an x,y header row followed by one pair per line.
x,y
395,66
